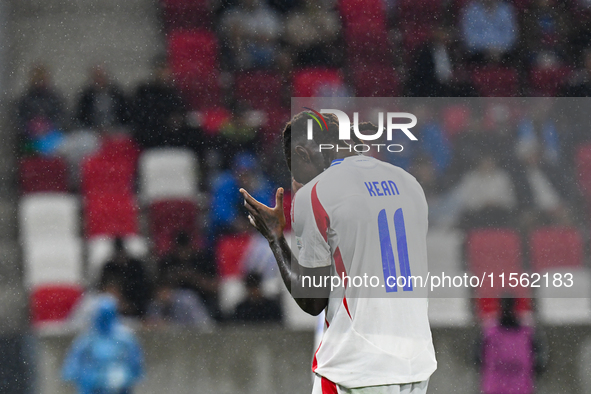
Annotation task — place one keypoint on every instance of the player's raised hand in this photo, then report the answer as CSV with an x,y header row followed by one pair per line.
x,y
270,222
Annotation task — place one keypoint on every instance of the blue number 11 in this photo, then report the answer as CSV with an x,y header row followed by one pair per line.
x,y
388,262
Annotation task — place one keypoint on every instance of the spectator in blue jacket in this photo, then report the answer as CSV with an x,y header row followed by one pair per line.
x,y
226,204
107,359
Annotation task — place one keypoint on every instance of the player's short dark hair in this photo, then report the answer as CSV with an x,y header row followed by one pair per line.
x,y
296,130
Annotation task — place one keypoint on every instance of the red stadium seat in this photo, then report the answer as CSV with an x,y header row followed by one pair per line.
x,y
424,11
43,174
193,51
365,30
53,302
214,118
102,174
547,82
193,56
120,146
583,168
366,43
376,80
496,81
185,13
362,12
169,217
555,247
310,82
456,119
494,251
110,214
415,34
260,89
229,253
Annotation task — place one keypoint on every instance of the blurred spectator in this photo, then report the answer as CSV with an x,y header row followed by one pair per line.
x,y
312,31
82,314
580,83
41,109
486,195
510,355
189,269
177,306
538,149
227,204
489,29
432,67
158,108
545,33
107,358
257,308
240,133
251,31
131,276
101,104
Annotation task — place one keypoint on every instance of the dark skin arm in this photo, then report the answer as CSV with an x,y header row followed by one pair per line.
x,y
270,222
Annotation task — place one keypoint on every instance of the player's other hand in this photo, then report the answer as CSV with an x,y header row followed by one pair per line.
x,y
270,222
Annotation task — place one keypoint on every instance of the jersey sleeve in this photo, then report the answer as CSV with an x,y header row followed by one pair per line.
x,y
314,251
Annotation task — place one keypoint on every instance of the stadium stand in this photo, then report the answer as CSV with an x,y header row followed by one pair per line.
x,y
167,173
43,174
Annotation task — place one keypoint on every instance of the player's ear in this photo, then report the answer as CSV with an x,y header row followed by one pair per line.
x,y
303,154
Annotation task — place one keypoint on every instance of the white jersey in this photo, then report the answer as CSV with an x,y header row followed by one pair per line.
x,y
365,217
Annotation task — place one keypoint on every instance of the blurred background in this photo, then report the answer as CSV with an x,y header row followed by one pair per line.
x,y
127,128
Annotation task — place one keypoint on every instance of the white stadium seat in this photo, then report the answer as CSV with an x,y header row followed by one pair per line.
x,y
566,305
53,260
444,250
49,215
168,173
100,250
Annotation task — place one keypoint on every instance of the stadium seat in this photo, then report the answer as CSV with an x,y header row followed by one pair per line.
x,y
561,305
366,42
583,170
49,214
110,214
455,119
169,217
259,89
193,57
43,174
444,250
168,173
310,82
107,174
100,250
362,12
52,303
52,260
547,82
555,248
120,147
419,10
494,251
229,253
415,34
496,81
178,14
376,80
213,119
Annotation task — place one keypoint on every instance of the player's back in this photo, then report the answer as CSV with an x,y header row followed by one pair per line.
x,y
374,217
